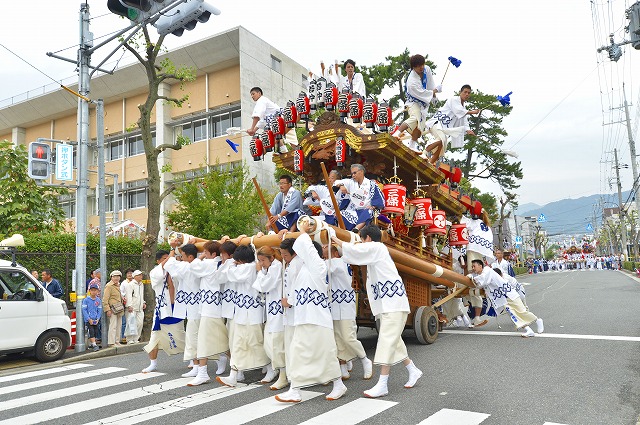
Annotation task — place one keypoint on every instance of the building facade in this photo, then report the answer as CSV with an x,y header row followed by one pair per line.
x,y
227,66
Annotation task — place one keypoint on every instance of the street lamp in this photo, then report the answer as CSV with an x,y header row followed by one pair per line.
x,y
528,219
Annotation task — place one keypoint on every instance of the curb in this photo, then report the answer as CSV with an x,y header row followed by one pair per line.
x,y
104,352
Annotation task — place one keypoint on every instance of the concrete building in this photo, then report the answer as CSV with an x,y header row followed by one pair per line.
x,y
227,66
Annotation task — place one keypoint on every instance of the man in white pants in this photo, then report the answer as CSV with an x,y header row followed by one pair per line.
x,y
135,308
389,304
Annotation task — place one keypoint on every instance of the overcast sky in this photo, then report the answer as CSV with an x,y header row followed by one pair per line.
x,y
543,51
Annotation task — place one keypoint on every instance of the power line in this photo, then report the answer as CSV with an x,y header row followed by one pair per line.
x,y
32,66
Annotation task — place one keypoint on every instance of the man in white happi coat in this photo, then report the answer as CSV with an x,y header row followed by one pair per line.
x,y
319,196
480,246
263,112
502,263
135,307
450,120
364,195
187,301
515,285
343,313
167,332
313,354
503,297
213,339
389,304
286,206
420,90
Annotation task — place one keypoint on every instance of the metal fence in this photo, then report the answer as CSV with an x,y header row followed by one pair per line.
x,y
63,264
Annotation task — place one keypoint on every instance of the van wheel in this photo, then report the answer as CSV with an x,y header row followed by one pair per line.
x,y
51,346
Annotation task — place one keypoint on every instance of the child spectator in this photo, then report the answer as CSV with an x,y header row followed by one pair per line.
x,y
92,312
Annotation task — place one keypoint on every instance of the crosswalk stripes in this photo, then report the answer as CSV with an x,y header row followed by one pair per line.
x,y
39,373
455,417
252,411
352,413
78,389
60,379
172,406
114,391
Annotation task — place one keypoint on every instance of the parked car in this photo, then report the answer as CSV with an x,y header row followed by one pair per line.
x,y
31,320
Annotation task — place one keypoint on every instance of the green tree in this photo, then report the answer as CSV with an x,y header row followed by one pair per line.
x,y
25,206
390,74
488,200
484,157
222,202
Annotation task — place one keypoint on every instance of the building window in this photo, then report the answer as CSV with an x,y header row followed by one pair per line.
x,y
305,81
220,123
236,119
199,130
276,64
115,150
69,208
135,145
136,198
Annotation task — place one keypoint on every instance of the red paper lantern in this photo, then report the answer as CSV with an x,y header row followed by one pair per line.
x,y
439,226
278,127
369,113
303,106
423,216
458,235
341,151
331,97
456,175
290,115
355,109
298,161
268,139
384,118
255,147
476,210
395,196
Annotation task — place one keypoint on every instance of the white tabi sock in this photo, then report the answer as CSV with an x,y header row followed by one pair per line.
x,y
367,366
201,378
190,364
339,389
380,389
153,365
222,364
414,375
540,325
345,371
270,375
229,381
192,373
528,332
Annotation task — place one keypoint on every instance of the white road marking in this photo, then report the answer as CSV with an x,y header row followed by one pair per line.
x,y
252,411
172,406
85,405
352,413
455,417
548,335
39,373
78,389
89,374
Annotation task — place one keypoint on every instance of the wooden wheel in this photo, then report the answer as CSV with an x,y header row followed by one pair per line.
x,y
425,324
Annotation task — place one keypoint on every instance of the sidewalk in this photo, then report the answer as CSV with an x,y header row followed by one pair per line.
x,y
72,356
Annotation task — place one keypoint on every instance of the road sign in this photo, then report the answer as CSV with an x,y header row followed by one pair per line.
x,y
518,241
64,162
542,218
589,228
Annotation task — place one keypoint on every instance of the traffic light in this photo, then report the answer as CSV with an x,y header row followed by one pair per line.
x,y
39,160
136,10
185,16
120,8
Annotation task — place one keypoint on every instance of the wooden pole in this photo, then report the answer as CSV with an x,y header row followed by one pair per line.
x,y
448,297
264,203
336,207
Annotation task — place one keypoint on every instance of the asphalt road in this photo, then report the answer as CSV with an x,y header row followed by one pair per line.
x,y
585,369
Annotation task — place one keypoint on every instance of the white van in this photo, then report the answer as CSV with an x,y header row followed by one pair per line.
x,y
31,320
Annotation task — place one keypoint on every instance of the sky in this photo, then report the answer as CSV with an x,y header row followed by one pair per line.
x,y
542,51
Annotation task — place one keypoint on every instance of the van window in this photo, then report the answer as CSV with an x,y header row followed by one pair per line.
x,y
15,285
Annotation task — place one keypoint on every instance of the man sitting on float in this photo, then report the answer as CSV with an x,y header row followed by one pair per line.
x,y
365,197
286,205
318,195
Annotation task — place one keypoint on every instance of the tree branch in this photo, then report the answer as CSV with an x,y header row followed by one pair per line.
x,y
135,53
166,146
166,192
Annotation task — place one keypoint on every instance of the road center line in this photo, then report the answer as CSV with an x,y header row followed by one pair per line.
x,y
548,335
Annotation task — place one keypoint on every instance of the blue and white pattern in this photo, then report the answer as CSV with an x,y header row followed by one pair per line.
x,y
308,295
275,308
248,302
188,298
342,296
211,297
388,289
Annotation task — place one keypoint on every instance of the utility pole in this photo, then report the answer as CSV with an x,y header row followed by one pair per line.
x,y
84,58
634,169
623,225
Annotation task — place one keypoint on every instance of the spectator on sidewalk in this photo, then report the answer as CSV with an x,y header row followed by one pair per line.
x,y
52,285
95,274
135,308
111,304
123,290
92,312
